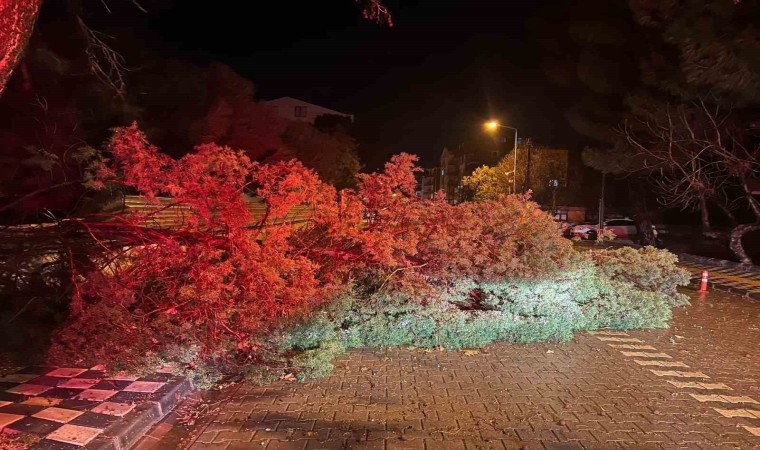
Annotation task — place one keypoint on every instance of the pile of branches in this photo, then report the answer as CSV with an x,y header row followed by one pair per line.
x,y
224,279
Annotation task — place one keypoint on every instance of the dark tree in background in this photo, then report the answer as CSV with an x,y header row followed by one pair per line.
x,y
645,62
68,93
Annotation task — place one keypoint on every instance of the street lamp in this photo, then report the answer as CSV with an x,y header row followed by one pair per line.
x,y
493,125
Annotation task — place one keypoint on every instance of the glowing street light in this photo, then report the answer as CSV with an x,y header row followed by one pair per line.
x,y
493,125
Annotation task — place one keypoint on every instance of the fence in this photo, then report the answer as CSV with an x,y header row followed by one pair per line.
x,y
164,214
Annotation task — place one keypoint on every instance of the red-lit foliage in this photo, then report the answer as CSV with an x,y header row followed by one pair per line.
x,y
226,278
16,25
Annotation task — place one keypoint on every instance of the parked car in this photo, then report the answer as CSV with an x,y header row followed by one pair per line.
x,y
582,231
622,228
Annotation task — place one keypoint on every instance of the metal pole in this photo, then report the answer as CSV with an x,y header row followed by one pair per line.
x,y
601,203
514,166
528,154
554,200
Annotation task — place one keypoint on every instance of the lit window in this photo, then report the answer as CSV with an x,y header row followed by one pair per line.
x,y
300,111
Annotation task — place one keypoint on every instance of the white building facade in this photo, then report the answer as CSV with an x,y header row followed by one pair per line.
x,y
293,109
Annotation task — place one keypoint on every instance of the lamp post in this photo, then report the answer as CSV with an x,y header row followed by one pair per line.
x,y
493,125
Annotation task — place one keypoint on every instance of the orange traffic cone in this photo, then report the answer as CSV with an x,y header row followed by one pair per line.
x,y
703,284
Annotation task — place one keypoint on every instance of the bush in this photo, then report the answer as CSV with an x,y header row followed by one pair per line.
x,y
589,294
648,268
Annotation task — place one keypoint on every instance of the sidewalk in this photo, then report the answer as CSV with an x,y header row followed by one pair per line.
x,y
694,386
68,408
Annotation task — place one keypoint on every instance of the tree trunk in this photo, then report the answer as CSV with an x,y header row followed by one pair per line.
x,y
705,216
17,19
735,243
704,210
641,214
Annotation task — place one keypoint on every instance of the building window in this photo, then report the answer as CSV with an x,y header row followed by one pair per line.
x,y
300,111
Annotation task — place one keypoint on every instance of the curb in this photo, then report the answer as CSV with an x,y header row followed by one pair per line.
x,y
125,432
703,260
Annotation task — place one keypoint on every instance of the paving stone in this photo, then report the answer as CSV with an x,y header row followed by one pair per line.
x,y
35,426
94,420
632,346
62,415
74,434
113,408
660,363
695,385
144,386
749,413
41,401
723,398
608,333
18,377
63,393
646,354
620,339
681,374
97,395
111,385
65,372
79,383
48,444
46,380
29,389
21,408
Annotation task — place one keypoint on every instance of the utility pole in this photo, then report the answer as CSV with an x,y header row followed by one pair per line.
x,y
601,203
529,149
554,184
514,165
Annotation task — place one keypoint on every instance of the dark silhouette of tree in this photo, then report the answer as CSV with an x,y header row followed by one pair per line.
x,y
331,154
17,19
680,53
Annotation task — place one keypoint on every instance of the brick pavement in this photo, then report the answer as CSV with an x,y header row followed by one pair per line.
x,y
66,408
693,386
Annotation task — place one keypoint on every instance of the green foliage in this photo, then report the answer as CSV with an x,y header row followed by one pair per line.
x,y
317,362
649,269
489,183
595,291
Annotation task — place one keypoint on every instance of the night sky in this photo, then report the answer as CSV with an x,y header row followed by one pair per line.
x,y
429,81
